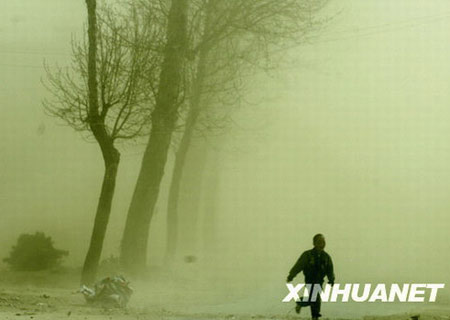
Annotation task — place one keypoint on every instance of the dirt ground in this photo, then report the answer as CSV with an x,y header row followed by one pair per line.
x,y
55,296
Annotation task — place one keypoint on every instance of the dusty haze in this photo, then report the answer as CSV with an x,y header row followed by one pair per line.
x,y
350,138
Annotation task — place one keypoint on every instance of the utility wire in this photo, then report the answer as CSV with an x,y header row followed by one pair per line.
x,y
348,34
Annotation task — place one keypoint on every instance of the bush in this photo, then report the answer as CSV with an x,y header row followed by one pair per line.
x,y
34,252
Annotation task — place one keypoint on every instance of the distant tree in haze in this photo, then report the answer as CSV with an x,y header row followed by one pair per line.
x,y
34,252
106,94
240,38
222,37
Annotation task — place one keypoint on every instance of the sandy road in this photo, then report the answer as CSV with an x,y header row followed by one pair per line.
x,y
41,302
51,303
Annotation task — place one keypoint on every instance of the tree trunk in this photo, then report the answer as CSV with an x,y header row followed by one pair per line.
x,y
110,154
180,156
211,199
174,191
134,241
191,202
101,218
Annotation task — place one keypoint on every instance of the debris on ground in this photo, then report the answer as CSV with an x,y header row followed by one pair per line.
x,y
111,291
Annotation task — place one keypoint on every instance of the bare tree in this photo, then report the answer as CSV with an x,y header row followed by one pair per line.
x,y
242,38
164,118
105,93
252,25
